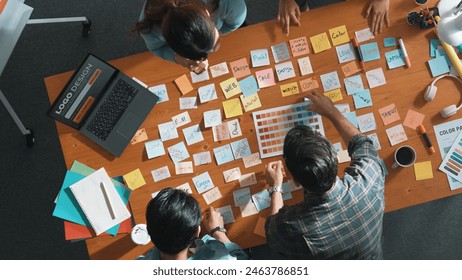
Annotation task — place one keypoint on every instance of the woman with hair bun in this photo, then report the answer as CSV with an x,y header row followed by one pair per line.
x,y
187,31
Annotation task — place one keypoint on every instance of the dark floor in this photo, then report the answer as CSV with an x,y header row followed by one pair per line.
x,y
32,177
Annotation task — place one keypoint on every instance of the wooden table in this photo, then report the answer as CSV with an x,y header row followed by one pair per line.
x,y
405,87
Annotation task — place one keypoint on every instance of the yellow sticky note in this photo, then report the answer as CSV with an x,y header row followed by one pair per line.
x,y
320,42
260,227
339,35
134,179
251,102
230,87
232,108
183,84
289,89
334,95
423,170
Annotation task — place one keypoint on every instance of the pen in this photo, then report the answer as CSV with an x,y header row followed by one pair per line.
x,y
108,201
358,53
429,144
403,49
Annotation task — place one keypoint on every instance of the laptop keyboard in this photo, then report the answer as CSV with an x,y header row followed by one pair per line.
x,y
113,107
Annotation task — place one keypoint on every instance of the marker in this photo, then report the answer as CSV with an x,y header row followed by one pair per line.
x,y
403,49
358,53
429,144
107,200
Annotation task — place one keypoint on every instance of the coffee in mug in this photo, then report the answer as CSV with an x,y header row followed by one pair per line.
x,y
404,156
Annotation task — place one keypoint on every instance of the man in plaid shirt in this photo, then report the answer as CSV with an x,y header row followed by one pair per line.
x,y
339,218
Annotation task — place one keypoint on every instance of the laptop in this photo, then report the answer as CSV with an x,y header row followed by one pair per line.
x,y
104,104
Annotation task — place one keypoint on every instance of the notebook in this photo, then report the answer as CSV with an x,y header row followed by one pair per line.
x,y
104,104
99,201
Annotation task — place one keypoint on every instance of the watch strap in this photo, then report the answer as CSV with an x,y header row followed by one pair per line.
x,y
218,228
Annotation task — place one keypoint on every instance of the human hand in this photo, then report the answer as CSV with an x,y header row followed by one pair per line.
x,y
321,104
196,66
288,11
274,173
377,15
213,219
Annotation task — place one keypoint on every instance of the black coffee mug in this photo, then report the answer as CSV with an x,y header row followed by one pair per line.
x,y
404,157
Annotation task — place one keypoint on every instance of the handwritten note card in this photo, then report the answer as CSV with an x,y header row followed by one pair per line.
x,y
178,152
203,182
139,136
202,158
280,52
375,140
183,84
227,214
240,68
234,128
413,119
212,196
320,42
339,35
394,59
193,134
389,42
223,154
375,78
220,132
185,167
185,187
345,53
389,114
259,57
262,200
251,102
167,131
232,174
396,134
161,92
241,197
265,78
353,84
343,108
334,95
154,148
134,179
285,70
330,81
240,148
248,210
219,69
366,122
299,46
308,84
160,174
212,118
304,64
364,35
351,68
252,160
362,99
230,87
196,78
248,86
181,119
370,51
289,89
248,179
232,108
188,103
207,93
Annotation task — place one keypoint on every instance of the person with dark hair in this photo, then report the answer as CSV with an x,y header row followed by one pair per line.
x,y
187,31
173,221
338,218
376,12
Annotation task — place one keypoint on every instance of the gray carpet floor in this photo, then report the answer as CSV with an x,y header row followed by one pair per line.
x,y
32,177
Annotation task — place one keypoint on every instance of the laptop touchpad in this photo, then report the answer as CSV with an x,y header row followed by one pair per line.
x,y
129,125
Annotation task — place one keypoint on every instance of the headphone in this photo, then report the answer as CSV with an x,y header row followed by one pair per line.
x,y
431,92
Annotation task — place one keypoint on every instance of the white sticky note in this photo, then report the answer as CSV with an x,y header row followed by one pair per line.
x,y
185,167
375,140
343,107
376,77
304,64
330,81
227,214
185,187
203,182
188,103
364,35
343,156
207,93
241,197
178,152
337,146
212,118
196,78
202,158
248,210
232,174
285,70
396,134
252,160
366,122
234,128
345,53
248,179
193,134
181,119
212,196
154,148
219,69
160,173
167,131
161,92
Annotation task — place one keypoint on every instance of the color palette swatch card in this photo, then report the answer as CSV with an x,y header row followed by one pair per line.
x,y
452,162
203,182
280,52
353,84
339,35
223,154
160,173
262,200
345,53
219,69
193,134
227,214
299,46
362,99
167,131
396,134
394,59
370,51
304,64
161,92
271,126
202,158
207,93
265,78
330,81
376,77
285,70
154,148
240,68
248,86
320,42
259,57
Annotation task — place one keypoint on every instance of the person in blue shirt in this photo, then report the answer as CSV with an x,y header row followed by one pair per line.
x,y
187,31
173,221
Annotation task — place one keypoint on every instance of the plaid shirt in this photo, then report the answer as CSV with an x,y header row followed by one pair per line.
x,y
343,223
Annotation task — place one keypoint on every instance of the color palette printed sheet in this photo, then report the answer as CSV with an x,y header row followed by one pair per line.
x,y
273,124
452,163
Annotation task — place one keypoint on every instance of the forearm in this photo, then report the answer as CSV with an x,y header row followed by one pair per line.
x,y
276,203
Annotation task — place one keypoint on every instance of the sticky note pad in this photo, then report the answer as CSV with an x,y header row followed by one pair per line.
x,y
362,99
389,114
167,131
376,78
394,59
154,148
134,179
396,134
285,70
251,102
223,154
183,84
389,42
241,197
345,53
196,78
212,118
330,81
219,69
413,119
161,92
304,64
203,182
178,152
193,134
299,46
289,89
232,108
320,42
280,52
366,122
227,214
248,86
370,51
423,170
364,35
207,93
240,148
230,87
265,78
339,35
351,68
259,57
185,187
334,95
353,84
308,84
438,66
160,174
240,68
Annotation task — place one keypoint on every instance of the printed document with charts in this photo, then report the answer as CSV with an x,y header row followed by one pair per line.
x,y
100,201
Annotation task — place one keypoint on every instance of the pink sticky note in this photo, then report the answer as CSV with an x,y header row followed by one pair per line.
x,y
265,78
413,119
299,46
240,68
389,114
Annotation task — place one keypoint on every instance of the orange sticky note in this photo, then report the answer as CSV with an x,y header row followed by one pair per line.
x,y
251,102
230,87
320,42
232,108
334,95
289,89
240,68
299,46
413,119
308,84
260,227
389,114
339,35
183,84
351,68
139,136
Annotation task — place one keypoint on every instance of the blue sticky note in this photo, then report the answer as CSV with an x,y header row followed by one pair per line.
x,y
280,52
178,152
259,57
262,200
395,59
434,44
161,92
248,86
345,53
203,182
223,154
362,99
442,52
351,117
353,84
241,197
370,51
154,148
330,81
438,66
241,148
193,134
389,42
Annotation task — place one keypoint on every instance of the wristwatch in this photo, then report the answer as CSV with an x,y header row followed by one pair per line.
x,y
218,228
273,189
